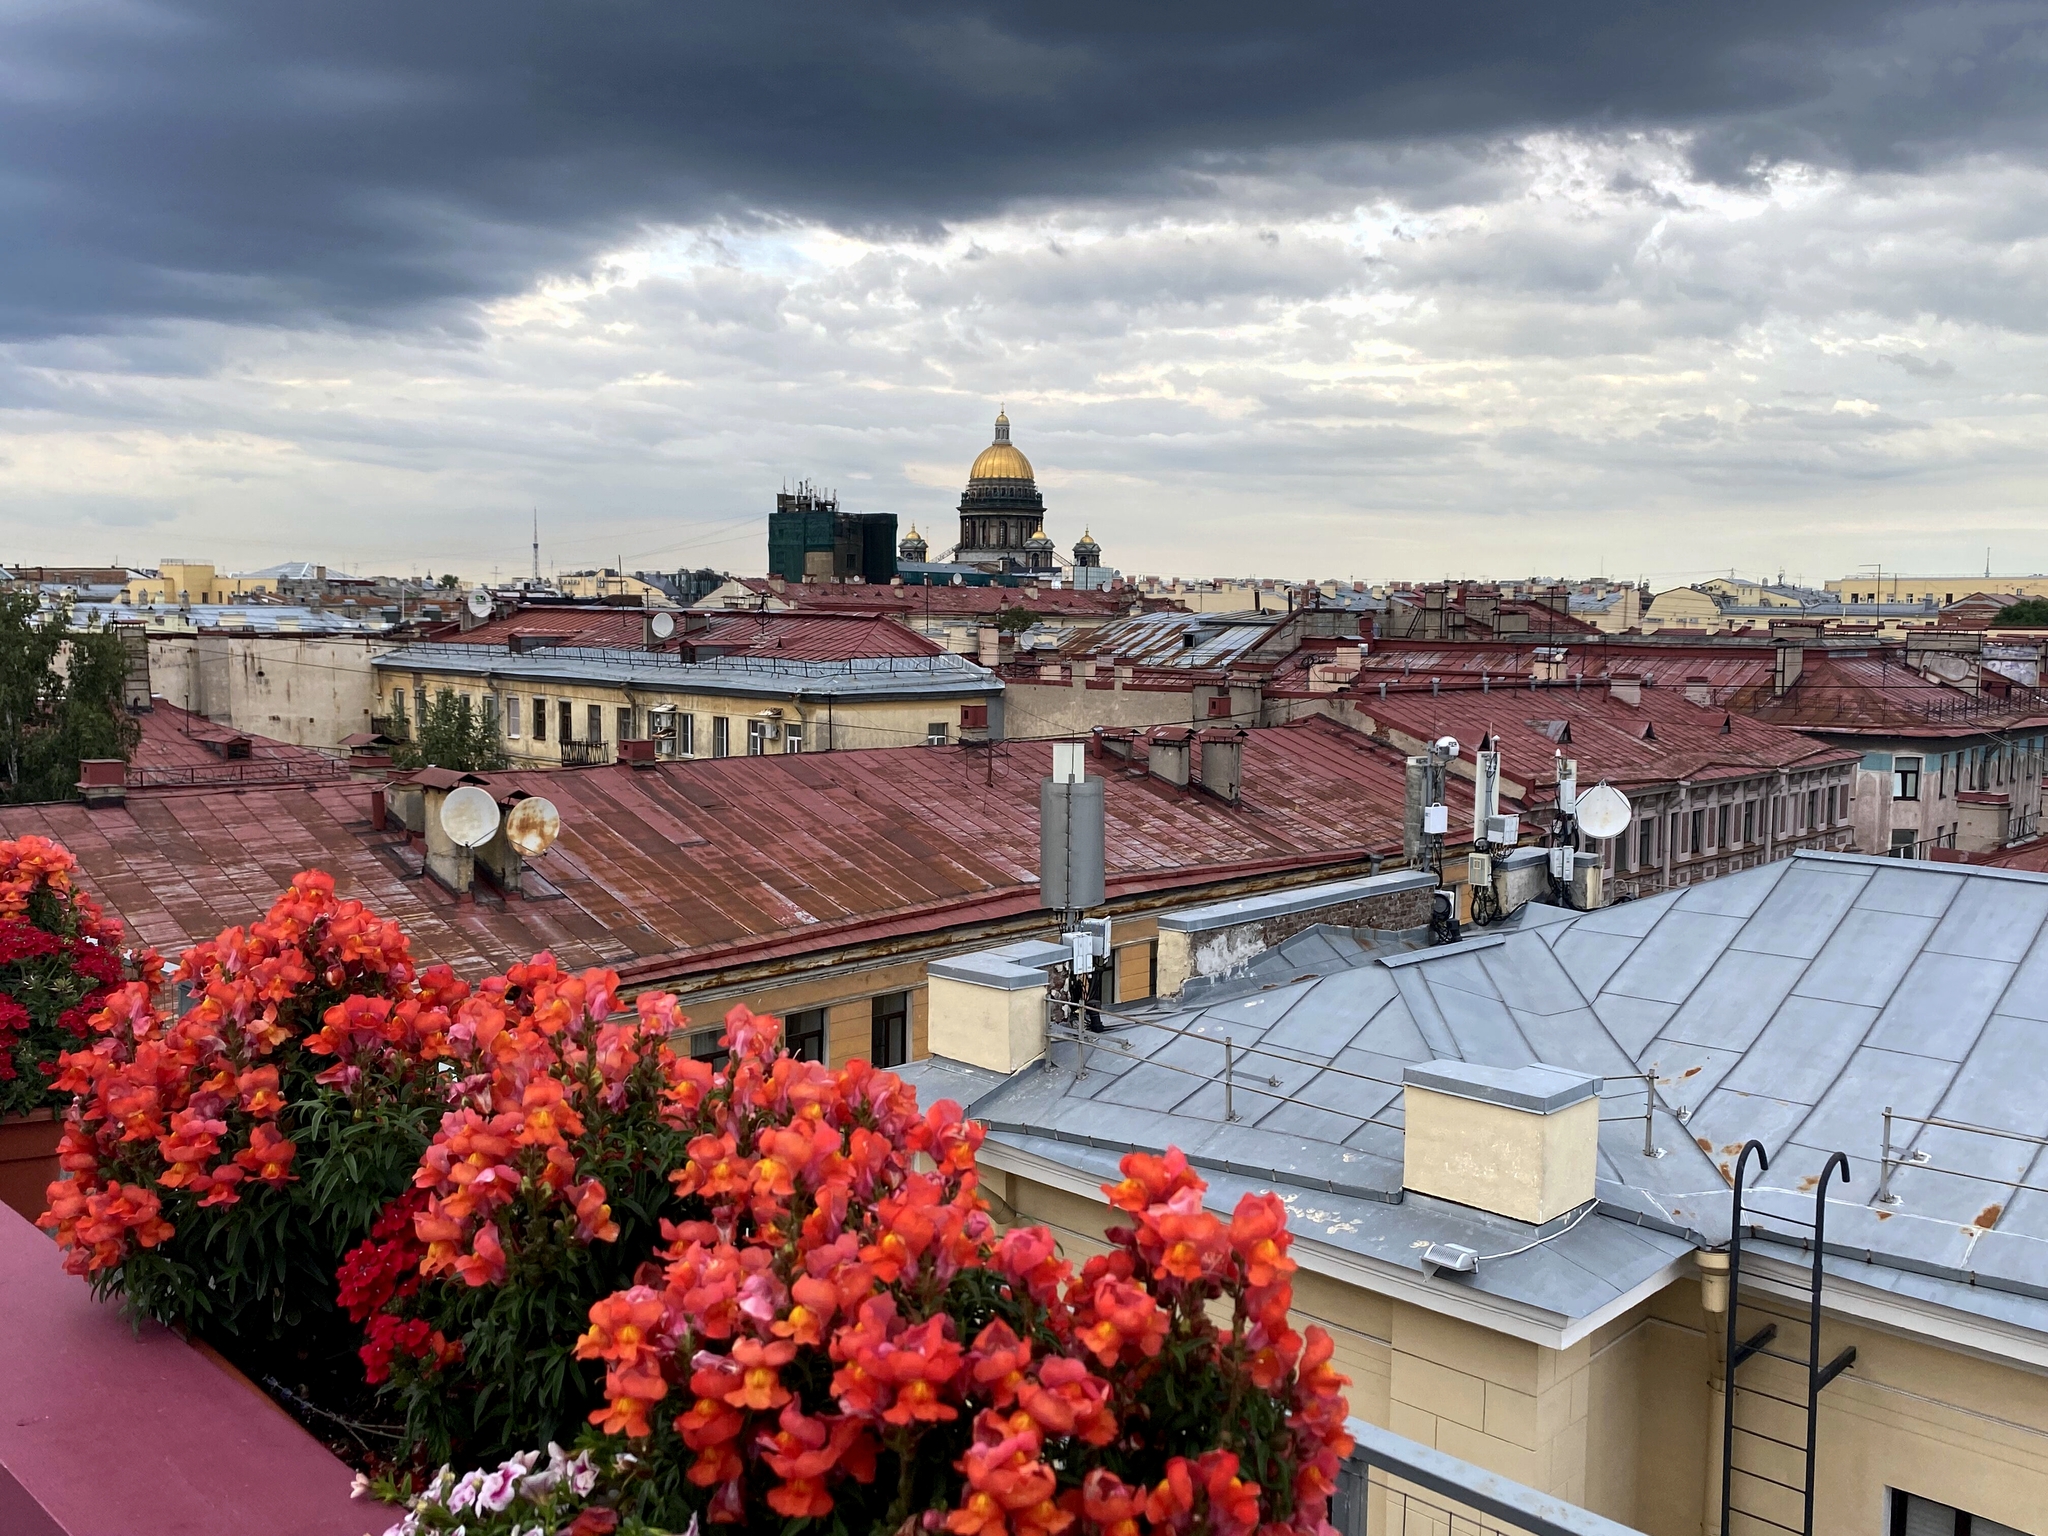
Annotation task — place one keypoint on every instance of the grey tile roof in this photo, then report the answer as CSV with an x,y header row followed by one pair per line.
x,y
1789,1004
754,676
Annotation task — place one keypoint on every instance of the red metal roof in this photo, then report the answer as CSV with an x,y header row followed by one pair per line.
x,y
1659,740
795,636
1878,695
173,751
689,867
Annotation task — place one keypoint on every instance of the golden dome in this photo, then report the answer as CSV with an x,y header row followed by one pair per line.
x,y
1000,461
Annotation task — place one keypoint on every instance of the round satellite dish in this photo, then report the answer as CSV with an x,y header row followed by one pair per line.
x,y
663,625
1448,745
470,816
532,825
480,603
1603,811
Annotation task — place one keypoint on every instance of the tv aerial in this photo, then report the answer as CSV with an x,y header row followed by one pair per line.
x,y
1603,811
532,825
470,816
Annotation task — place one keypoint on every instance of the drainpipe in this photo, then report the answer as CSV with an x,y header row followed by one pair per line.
x,y
1714,1303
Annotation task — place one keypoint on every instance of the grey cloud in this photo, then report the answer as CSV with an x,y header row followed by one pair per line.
x,y
377,163
1922,367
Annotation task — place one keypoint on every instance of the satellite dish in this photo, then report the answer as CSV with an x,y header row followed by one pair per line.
x,y
1448,745
1604,811
480,603
663,625
470,816
532,825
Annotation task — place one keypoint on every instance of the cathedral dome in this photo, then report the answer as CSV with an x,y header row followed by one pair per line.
x,y
1000,461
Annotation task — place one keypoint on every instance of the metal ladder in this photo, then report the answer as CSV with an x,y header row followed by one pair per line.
x,y
1771,1417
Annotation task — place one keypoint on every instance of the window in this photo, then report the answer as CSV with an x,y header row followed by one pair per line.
x,y
398,703
1906,778
935,734
721,736
1903,839
491,713
891,1044
626,731
792,738
1834,812
419,704
1812,809
512,717
804,1033
1721,819
1699,832
565,717
1646,839
705,1046
1915,1516
593,721
1749,821
540,719
757,738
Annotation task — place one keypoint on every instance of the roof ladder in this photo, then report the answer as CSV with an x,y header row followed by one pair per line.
x,y
1770,1418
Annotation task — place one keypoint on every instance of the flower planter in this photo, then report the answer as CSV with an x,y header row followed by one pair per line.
x,y
28,1160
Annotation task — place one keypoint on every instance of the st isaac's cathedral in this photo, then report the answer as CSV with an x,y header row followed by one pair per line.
x,y
1002,516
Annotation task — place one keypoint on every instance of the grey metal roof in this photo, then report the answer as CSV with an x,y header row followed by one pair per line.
x,y
877,677
1789,1003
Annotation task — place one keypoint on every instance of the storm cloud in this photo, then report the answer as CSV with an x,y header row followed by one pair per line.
x,y
1561,278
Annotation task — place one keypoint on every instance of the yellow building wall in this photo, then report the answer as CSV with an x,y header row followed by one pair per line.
x,y
852,724
195,583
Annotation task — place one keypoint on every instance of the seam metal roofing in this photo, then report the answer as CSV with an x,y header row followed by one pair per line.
x,y
1789,1003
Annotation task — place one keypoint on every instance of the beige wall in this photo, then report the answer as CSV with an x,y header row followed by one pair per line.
x,y
851,723
308,690
1627,1421
194,583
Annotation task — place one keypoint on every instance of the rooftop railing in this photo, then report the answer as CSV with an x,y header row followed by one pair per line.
x,y
1394,1486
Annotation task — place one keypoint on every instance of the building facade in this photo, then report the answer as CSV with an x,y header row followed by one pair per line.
x,y
1001,511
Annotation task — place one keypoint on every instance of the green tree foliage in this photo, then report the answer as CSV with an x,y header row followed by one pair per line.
x,y
450,581
60,700
452,734
2032,613
1014,621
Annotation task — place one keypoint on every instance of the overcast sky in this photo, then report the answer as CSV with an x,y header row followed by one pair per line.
x,y
1651,286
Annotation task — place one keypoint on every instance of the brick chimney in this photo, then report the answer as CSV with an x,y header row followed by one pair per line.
x,y
1625,688
1223,762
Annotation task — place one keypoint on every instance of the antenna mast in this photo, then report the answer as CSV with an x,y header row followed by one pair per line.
x,y
536,546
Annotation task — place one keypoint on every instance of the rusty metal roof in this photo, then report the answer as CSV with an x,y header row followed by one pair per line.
x,y
174,752
691,866
750,674
1878,695
952,602
797,636
1659,740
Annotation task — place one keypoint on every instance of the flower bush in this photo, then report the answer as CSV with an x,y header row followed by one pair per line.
x,y
60,957
523,1495
837,1332
538,1194
221,1159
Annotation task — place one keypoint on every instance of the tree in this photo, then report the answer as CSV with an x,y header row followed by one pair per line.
x,y
452,734
2030,613
1014,621
60,700
450,581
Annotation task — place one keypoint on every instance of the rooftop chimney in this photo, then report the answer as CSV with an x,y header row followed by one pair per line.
x,y
1700,691
1170,753
1790,663
1223,762
1520,1142
102,781
1625,688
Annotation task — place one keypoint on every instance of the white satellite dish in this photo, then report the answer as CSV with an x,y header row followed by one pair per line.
x,y
470,816
1448,745
1604,811
532,825
480,603
663,625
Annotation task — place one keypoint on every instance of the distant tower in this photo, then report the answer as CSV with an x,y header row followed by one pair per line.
x,y
536,546
1040,553
1087,552
1001,507
913,549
